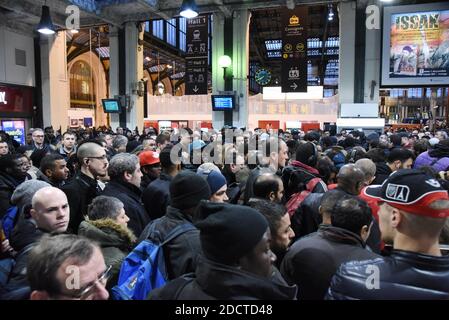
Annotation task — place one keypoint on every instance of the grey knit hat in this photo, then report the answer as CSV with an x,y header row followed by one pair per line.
x,y
25,191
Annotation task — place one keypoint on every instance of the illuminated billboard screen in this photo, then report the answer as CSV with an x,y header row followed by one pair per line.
x,y
416,45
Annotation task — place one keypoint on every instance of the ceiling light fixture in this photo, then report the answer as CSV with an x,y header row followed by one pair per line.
x,y
46,26
189,9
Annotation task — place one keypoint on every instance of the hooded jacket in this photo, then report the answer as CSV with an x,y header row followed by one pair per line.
x,y
214,281
115,240
313,260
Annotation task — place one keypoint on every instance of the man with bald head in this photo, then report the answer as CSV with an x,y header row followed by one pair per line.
x,y
50,213
307,218
350,179
83,188
368,167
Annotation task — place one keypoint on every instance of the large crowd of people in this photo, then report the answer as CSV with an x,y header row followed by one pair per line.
x,y
269,215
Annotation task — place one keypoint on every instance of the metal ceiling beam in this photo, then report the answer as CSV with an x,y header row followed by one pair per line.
x,y
32,10
224,9
16,26
90,8
153,8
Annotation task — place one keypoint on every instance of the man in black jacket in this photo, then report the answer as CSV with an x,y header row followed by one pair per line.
x,y
83,187
124,171
237,262
414,208
13,171
156,195
398,158
312,261
307,217
187,189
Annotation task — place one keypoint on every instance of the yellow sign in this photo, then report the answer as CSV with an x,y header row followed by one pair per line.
x,y
300,47
285,56
294,20
288,47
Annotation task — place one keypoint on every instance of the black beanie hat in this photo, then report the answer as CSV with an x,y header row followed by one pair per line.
x,y
187,189
306,154
229,232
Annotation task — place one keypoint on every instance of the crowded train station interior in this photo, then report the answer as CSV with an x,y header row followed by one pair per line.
x,y
224,150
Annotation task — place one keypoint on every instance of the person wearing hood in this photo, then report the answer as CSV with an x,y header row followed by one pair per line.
x,y
108,226
437,158
313,260
237,261
302,170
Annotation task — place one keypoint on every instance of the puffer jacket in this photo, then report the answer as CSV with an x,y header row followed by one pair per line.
x,y
115,240
213,281
424,159
403,275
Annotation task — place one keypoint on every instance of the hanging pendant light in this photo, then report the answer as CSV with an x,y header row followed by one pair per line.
x,y
46,26
189,9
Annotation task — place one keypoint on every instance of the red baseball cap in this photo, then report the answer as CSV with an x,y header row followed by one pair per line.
x,y
412,191
148,158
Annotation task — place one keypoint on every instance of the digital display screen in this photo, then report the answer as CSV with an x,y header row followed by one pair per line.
x,y
16,129
415,42
223,102
111,106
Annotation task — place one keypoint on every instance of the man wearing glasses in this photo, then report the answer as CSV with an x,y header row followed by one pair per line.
x,y
67,267
84,186
38,140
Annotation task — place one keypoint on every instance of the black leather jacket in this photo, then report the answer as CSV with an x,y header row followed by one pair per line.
x,y
402,275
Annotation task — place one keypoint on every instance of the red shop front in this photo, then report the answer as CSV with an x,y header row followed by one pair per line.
x,y
16,110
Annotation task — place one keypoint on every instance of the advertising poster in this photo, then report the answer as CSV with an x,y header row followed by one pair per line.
x,y
16,129
419,44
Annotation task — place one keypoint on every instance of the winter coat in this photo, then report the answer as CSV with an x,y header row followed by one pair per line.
x,y
214,281
130,195
383,171
80,192
424,159
7,186
403,275
115,240
181,254
23,238
313,260
157,196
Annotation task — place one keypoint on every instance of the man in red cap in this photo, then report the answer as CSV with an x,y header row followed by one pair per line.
x,y
150,166
413,210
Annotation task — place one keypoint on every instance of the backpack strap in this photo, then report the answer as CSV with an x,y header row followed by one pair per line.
x,y
177,231
312,184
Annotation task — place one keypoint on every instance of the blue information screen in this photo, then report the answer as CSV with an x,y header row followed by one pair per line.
x,y
111,106
223,103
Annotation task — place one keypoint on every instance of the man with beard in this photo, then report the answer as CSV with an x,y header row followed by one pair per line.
x,y
83,187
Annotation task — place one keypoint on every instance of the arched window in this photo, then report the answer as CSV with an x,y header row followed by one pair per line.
x,y
82,86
